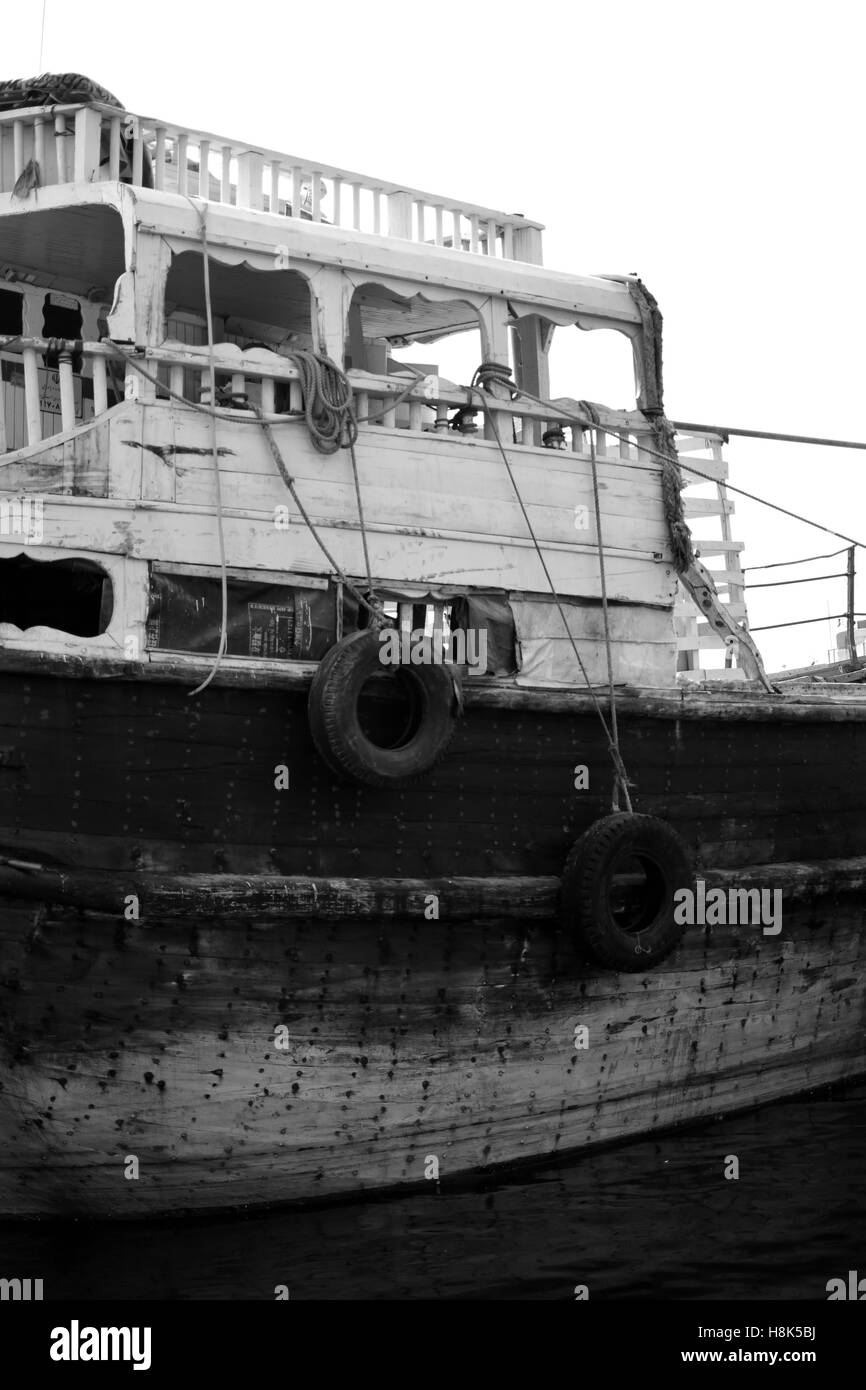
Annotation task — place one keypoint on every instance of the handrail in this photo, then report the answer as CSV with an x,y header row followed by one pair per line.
x,y
257,177
430,407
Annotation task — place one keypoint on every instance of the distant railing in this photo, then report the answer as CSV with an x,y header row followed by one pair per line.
x,y
260,374
82,144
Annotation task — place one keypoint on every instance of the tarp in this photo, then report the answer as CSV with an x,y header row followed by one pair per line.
x,y
276,621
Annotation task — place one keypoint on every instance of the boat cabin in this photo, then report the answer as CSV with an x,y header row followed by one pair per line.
x,y
109,532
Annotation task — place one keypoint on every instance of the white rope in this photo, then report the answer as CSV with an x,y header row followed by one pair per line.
x,y
216,461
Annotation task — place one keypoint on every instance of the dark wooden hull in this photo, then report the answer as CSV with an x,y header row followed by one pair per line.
x,y
408,1039
134,775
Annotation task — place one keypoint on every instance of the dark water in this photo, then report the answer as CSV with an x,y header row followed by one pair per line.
x,y
652,1219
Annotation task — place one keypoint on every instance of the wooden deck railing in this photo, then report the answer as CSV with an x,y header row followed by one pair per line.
x,y
97,142
258,373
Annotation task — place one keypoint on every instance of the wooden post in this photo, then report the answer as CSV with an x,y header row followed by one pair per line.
x,y
400,215
159,166
852,638
226,175
531,338
134,133
527,245
3,443
204,169
39,146
100,386
60,148
88,124
67,391
18,148
274,200
181,150
31,395
250,180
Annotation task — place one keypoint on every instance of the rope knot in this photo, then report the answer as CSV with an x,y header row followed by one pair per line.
x,y
491,374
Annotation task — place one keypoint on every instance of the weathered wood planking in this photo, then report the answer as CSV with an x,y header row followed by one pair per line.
x,y
152,780
447,511
401,1041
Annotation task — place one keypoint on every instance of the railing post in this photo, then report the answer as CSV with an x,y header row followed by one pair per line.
x,y
67,391
88,124
60,137
100,386
527,245
250,180
31,395
400,215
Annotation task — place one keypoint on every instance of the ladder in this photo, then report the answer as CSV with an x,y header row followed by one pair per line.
x,y
720,554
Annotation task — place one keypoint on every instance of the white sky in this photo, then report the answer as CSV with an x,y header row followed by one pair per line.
x,y
714,149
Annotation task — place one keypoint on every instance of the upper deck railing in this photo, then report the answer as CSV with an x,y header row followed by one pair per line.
x,y
94,142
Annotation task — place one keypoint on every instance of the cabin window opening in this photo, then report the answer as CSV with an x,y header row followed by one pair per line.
x,y
389,335
271,309
60,266
11,312
595,365
267,617
74,595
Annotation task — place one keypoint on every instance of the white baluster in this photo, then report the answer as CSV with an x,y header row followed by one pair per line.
x,y
31,395
204,169
67,392
457,230
60,148
159,167
226,175
39,145
182,161
137,152
100,386
18,149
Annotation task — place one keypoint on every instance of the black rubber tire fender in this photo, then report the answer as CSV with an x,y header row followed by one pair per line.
x,y
335,726
587,881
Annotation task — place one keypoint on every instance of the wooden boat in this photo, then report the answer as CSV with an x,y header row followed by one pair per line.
x,y
277,922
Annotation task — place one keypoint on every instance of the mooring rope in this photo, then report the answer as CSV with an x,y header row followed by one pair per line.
x,y
621,778
224,588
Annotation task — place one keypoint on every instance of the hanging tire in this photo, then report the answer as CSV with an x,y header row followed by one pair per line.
x,y
399,729
618,890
